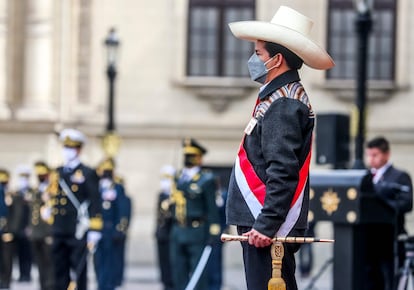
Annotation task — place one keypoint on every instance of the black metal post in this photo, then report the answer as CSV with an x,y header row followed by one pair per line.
x,y
363,25
111,73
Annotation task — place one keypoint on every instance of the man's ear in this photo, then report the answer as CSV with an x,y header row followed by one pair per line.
x,y
278,58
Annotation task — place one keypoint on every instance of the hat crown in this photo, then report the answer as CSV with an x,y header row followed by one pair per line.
x,y
292,19
72,137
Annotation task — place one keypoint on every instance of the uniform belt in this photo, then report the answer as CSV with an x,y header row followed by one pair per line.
x,y
193,223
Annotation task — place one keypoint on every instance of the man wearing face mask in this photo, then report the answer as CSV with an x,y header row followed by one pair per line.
x,y
113,232
74,210
39,230
163,226
18,222
268,191
196,221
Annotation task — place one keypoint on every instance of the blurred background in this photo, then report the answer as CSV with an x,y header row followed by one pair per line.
x,y
150,73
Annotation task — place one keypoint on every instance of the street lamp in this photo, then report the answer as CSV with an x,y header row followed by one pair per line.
x,y
111,43
111,140
363,25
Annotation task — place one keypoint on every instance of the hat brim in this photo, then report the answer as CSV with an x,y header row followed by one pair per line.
x,y
312,54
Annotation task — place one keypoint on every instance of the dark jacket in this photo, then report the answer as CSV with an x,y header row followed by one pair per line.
x,y
396,188
84,184
277,153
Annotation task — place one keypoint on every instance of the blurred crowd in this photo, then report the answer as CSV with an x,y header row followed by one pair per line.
x,y
54,220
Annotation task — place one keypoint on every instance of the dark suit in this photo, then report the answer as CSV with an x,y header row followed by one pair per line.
x,y
69,252
395,188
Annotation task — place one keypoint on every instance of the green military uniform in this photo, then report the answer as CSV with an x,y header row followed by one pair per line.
x,y
196,217
40,230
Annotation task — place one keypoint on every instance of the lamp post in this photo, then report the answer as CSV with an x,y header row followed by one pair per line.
x,y
111,43
363,25
111,140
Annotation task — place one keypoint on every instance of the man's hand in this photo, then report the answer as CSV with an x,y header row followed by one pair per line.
x,y
92,240
257,239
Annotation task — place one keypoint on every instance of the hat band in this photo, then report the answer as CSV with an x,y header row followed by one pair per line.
x,y
41,170
192,150
72,143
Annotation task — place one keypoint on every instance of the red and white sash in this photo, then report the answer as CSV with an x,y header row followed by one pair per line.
x,y
253,190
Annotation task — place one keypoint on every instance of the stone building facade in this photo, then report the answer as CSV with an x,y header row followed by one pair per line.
x,y
53,63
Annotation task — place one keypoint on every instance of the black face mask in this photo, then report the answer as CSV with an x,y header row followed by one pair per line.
x,y
107,174
190,160
41,178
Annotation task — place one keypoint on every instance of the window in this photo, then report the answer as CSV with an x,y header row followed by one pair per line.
x,y
342,40
212,49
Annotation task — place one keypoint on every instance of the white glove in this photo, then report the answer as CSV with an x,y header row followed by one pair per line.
x,y
46,212
93,237
92,240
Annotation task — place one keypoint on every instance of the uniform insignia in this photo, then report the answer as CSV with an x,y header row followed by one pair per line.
x,y
78,177
106,205
194,187
53,187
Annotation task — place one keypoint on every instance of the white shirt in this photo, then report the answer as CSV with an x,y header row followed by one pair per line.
x,y
378,173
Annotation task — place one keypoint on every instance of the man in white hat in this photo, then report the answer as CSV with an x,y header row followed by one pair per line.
x,y
75,212
269,187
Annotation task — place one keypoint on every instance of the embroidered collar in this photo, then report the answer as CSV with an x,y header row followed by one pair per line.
x,y
278,82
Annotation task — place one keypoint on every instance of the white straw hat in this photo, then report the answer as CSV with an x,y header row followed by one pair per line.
x,y
290,29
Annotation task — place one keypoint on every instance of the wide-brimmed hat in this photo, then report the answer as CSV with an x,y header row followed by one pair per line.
x,y
290,29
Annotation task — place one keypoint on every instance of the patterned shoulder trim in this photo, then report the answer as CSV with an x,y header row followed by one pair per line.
x,y
293,90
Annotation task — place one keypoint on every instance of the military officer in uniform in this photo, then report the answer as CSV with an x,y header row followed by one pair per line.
x,y
196,221
74,210
163,226
122,229
18,222
4,277
113,232
13,237
40,233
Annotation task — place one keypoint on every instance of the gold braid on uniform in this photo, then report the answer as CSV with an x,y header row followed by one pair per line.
x,y
178,198
51,190
96,223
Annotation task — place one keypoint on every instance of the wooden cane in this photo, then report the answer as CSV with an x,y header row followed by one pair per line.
x,y
300,240
276,282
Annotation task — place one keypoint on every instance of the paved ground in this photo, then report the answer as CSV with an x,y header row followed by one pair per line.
x,y
140,277
144,276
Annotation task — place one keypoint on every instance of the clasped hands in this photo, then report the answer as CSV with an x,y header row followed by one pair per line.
x,y
257,239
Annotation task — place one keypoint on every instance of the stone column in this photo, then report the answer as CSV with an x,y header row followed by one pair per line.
x,y
37,103
4,109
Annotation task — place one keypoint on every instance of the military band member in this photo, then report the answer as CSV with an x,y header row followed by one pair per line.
x,y
4,245
196,221
163,226
73,190
18,222
40,232
123,229
113,232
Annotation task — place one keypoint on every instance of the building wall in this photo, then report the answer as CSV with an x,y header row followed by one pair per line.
x,y
54,77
